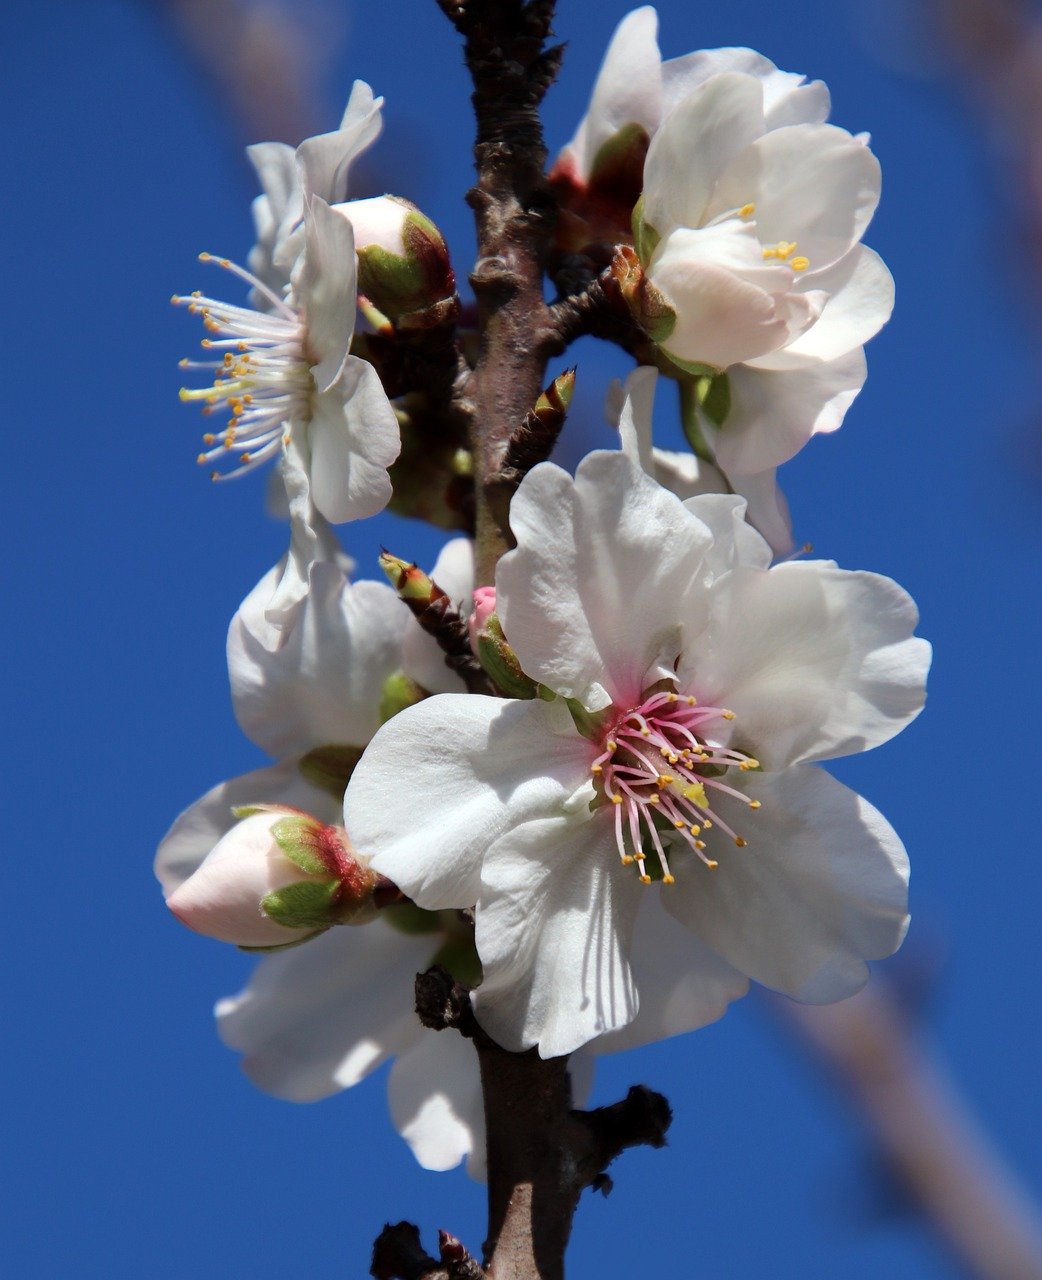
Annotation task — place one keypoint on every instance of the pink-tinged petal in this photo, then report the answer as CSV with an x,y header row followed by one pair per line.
x,y
811,183
861,298
821,888
683,984
627,87
222,898
731,305
774,412
588,599
196,831
326,159
322,685
321,1017
697,139
553,927
423,659
325,288
815,661
434,1093
445,778
787,97
354,439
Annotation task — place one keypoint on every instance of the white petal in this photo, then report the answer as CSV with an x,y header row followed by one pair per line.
x,y
325,288
354,439
695,142
734,541
683,985
811,183
325,160
434,1092
275,213
589,599
321,1017
423,659
730,304
815,661
861,298
446,777
787,98
775,412
630,407
821,888
627,86
553,927
323,684
196,831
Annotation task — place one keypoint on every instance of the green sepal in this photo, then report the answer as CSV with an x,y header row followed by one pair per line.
x,y
399,691
692,427
714,397
296,838
330,767
305,904
645,237
544,694
412,920
285,946
591,724
460,957
500,662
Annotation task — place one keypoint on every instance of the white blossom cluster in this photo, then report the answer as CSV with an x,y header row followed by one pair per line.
x,y
612,854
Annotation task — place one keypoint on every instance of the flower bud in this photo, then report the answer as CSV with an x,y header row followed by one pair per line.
x,y
484,608
275,878
403,261
647,305
494,653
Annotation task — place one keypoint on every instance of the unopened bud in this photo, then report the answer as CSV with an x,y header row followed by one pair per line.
x,y
412,584
403,261
399,691
275,878
484,608
647,305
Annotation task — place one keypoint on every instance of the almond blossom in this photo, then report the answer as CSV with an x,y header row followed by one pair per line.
x,y
675,770
285,375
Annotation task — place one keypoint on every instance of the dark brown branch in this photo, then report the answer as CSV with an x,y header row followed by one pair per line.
x,y
598,309
399,1255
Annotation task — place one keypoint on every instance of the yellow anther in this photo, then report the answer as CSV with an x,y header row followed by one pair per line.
x,y
707,824
800,264
679,825
209,438
740,842
663,780
700,844
201,458
671,697
244,459
754,804
654,799
645,733
596,768
727,715
711,864
747,211
610,746
215,475
615,799
203,257
627,860
668,879
695,829
645,879
223,262
691,702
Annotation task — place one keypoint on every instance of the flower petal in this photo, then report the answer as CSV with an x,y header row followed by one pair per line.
x,y
815,661
434,1093
423,659
354,439
553,927
321,1017
774,412
821,888
861,298
697,139
683,984
322,685
811,183
588,600
787,97
326,159
325,288
734,541
481,765
627,87
196,831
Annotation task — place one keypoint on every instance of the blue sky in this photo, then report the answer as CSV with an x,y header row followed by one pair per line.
x,y
137,1147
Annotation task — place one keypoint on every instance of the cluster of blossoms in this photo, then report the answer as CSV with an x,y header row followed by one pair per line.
x,y
631,823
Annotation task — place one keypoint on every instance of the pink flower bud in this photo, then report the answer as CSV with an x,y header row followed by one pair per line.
x,y
484,608
272,867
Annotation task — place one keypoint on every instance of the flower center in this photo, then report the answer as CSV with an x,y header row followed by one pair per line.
x,y
263,379
661,769
784,251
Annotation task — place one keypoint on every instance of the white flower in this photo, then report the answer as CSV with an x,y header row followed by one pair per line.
x,y
750,227
318,167
629,407
718,682
287,375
